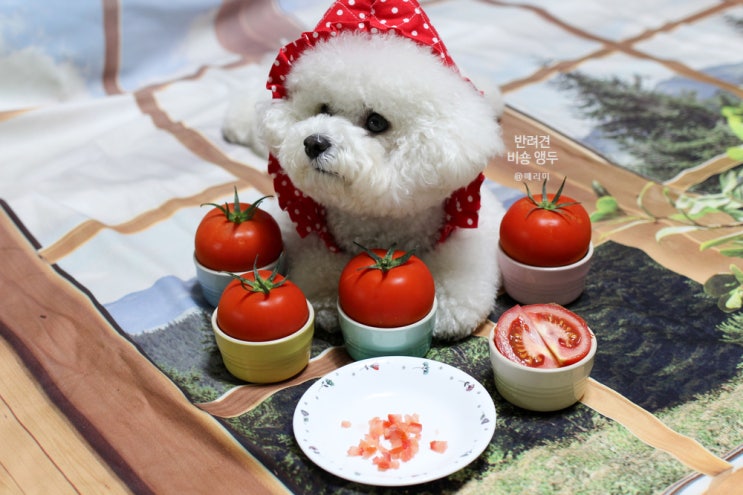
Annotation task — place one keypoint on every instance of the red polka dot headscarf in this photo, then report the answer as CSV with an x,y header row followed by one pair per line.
x,y
402,17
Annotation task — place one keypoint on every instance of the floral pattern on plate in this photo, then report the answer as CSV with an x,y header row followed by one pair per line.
x,y
334,413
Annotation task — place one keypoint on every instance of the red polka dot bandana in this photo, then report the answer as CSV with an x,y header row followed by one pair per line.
x,y
405,18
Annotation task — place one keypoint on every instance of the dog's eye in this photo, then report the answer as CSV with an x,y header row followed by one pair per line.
x,y
376,123
324,108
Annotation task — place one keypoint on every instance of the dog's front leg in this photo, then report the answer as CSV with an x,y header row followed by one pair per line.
x,y
466,274
316,270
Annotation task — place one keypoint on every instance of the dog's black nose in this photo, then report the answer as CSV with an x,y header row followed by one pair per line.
x,y
315,144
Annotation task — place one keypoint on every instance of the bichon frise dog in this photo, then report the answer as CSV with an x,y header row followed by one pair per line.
x,y
375,138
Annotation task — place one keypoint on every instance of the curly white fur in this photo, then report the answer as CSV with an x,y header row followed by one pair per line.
x,y
384,188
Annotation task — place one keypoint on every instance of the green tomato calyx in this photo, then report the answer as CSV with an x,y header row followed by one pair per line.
x,y
546,204
260,284
386,262
238,215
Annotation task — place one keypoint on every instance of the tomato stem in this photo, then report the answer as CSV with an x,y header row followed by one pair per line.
x,y
386,262
546,204
260,284
237,215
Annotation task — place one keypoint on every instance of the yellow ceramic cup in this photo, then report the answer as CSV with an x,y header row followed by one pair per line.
x,y
266,362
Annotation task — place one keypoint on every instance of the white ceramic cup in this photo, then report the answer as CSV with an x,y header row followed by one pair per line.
x,y
213,282
540,389
530,284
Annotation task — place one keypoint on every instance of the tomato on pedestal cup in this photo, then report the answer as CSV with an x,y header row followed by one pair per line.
x,y
546,230
263,327
542,336
236,237
386,288
551,371
260,306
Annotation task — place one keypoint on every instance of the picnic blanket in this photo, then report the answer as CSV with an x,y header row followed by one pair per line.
x,y
110,140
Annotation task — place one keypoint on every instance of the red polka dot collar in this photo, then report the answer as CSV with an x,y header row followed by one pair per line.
x,y
406,18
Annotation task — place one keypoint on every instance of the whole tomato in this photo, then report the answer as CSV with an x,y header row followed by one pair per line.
x,y
386,289
546,229
236,237
261,305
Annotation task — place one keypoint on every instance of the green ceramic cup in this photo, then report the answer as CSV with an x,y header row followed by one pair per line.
x,y
363,341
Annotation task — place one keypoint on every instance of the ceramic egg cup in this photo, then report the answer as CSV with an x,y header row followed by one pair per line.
x,y
364,341
270,361
213,282
530,284
540,389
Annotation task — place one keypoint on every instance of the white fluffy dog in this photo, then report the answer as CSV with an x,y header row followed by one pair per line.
x,y
376,135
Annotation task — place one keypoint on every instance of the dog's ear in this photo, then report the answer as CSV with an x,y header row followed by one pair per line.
x,y
492,94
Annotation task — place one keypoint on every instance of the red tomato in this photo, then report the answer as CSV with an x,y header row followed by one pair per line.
x,y
258,309
439,446
555,231
542,336
401,435
386,289
235,239
518,340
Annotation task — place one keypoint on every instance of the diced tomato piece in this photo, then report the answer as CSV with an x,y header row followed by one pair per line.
x,y
439,446
384,462
376,427
414,428
409,452
394,418
355,450
368,447
397,439
401,435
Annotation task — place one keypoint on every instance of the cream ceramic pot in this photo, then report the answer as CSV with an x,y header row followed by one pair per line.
x,y
540,389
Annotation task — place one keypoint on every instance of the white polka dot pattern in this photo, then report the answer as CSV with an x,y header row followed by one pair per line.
x,y
404,18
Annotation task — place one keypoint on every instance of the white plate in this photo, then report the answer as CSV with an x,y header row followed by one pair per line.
x,y
451,406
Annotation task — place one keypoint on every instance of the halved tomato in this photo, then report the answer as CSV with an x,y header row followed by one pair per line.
x,y
565,333
517,339
542,336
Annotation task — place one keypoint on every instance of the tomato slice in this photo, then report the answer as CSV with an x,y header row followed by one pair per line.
x,y
517,338
565,333
542,336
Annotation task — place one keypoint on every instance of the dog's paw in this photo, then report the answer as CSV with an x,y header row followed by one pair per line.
x,y
455,322
467,277
241,122
327,319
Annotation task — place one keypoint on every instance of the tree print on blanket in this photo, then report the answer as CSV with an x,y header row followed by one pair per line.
x,y
660,133
656,363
